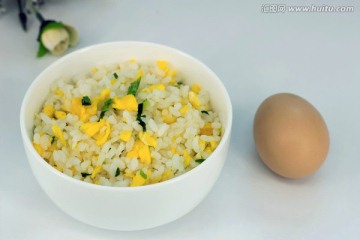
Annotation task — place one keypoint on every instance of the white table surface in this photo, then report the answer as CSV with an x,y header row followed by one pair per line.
x,y
314,55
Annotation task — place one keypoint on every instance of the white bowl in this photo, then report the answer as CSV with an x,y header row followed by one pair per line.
x,y
126,208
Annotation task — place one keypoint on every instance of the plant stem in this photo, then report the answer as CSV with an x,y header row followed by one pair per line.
x,y
22,15
38,15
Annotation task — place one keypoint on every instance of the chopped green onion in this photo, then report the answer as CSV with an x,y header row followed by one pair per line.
x,y
200,160
105,107
52,139
86,101
146,103
139,116
134,86
84,174
116,76
142,124
178,84
117,173
205,112
143,174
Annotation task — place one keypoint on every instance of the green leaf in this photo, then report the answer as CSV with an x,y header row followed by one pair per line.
x,y
200,160
134,86
116,76
83,174
105,107
42,51
143,174
52,25
86,101
52,139
117,173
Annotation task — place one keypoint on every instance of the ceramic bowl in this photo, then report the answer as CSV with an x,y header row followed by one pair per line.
x,y
126,208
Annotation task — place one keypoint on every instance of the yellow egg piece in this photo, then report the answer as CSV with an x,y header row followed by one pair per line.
x,y
127,102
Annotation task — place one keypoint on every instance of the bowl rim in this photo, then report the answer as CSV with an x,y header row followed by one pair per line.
x,y
28,144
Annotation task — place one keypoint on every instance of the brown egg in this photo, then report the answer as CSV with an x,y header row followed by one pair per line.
x,y
290,135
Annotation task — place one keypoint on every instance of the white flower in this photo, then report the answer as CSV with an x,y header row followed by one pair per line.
x,y
56,38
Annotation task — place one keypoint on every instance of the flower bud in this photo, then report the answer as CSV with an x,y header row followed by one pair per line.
x,y
56,40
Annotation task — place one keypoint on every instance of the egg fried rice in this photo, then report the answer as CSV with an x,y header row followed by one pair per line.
x,y
126,124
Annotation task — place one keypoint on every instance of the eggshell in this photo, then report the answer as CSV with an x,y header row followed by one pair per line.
x,y
290,135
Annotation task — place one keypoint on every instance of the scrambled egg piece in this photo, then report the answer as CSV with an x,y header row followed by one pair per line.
x,y
102,137
144,154
147,139
58,133
125,136
162,65
151,88
206,130
167,175
49,111
60,115
96,170
159,87
184,109
83,112
104,94
140,180
174,150
194,100
51,148
171,73
134,153
59,92
141,151
131,175
195,88
208,150
113,81
127,102
93,130
140,73
187,158
202,144
213,145
169,120
39,149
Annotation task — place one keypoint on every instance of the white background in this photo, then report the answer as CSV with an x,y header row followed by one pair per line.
x,y
314,55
